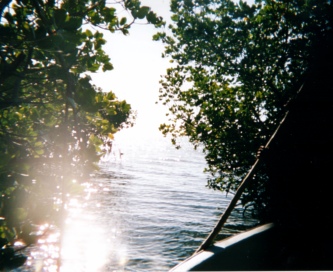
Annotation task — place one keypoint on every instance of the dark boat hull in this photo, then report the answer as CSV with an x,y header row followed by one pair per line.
x,y
266,247
250,250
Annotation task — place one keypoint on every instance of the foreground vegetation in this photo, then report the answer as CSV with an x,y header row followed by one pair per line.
x,y
235,67
53,120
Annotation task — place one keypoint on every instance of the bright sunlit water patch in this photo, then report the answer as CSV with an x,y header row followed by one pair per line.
x,y
85,246
44,254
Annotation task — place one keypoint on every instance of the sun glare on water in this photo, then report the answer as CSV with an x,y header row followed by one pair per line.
x,y
86,245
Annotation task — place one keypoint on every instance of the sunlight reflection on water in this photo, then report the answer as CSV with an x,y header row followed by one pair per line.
x,y
153,197
86,243
44,255
84,238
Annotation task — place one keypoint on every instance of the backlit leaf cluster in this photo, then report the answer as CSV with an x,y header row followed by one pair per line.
x,y
234,67
53,120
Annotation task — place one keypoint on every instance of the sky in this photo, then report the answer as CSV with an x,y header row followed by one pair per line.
x,y
138,67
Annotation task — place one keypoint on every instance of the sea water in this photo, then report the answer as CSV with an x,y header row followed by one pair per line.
x,y
146,209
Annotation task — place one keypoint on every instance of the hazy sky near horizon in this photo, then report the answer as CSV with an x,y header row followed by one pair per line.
x,y
138,66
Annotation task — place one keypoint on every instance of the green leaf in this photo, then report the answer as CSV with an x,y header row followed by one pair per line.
x,y
60,16
123,21
107,67
88,33
134,13
73,23
142,12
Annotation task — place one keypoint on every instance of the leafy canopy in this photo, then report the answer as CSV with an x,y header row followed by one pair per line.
x,y
53,120
234,68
